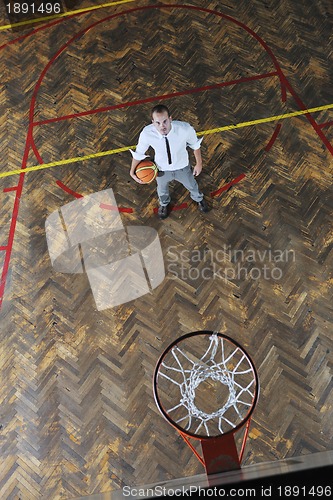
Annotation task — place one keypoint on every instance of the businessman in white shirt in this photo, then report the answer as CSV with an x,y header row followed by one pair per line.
x,y
170,140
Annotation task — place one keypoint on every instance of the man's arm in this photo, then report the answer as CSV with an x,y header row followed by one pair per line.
x,y
198,162
194,143
138,155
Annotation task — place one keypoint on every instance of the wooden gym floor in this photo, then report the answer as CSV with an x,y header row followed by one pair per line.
x,y
77,414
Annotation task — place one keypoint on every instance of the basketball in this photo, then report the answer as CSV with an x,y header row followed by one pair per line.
x,y
146,171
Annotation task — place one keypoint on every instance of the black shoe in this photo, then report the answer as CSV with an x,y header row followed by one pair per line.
x,y
162,212
202,205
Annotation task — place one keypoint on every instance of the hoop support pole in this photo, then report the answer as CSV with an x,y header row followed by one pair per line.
x,y
187,441
244,440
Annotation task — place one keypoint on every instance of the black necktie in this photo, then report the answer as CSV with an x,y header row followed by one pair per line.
x,y
168,149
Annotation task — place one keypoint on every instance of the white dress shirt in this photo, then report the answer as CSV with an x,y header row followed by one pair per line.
x,y
181,136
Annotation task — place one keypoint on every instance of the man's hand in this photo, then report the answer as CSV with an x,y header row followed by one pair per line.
x,y
132,174
197,169
134,164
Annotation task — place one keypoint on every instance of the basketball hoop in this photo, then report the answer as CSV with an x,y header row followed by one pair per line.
x,y
206,386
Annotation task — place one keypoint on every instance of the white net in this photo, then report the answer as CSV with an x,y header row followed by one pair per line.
x,y
206,395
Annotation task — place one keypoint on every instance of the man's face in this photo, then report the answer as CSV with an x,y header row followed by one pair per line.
x,y
162,122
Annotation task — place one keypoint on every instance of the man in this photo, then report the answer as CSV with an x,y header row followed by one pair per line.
x,y
170,140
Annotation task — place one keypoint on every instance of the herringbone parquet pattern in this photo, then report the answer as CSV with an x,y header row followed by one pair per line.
x,y
77,414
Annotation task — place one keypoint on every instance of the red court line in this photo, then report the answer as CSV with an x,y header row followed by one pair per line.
x,y
227,186
35,150
174,208
157,98
274,136
326,124
102,205
7,190
12,227
116,209
4,247
68,190
283,93
310,118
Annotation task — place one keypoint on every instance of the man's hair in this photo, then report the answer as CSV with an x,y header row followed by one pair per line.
x,y
160,108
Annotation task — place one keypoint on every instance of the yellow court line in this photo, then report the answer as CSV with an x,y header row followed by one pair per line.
x,y
65,162
204,132
62,14
266,120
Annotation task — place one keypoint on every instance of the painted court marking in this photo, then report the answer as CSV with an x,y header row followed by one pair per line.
x,y
154,98
227,186
30,145
204,132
